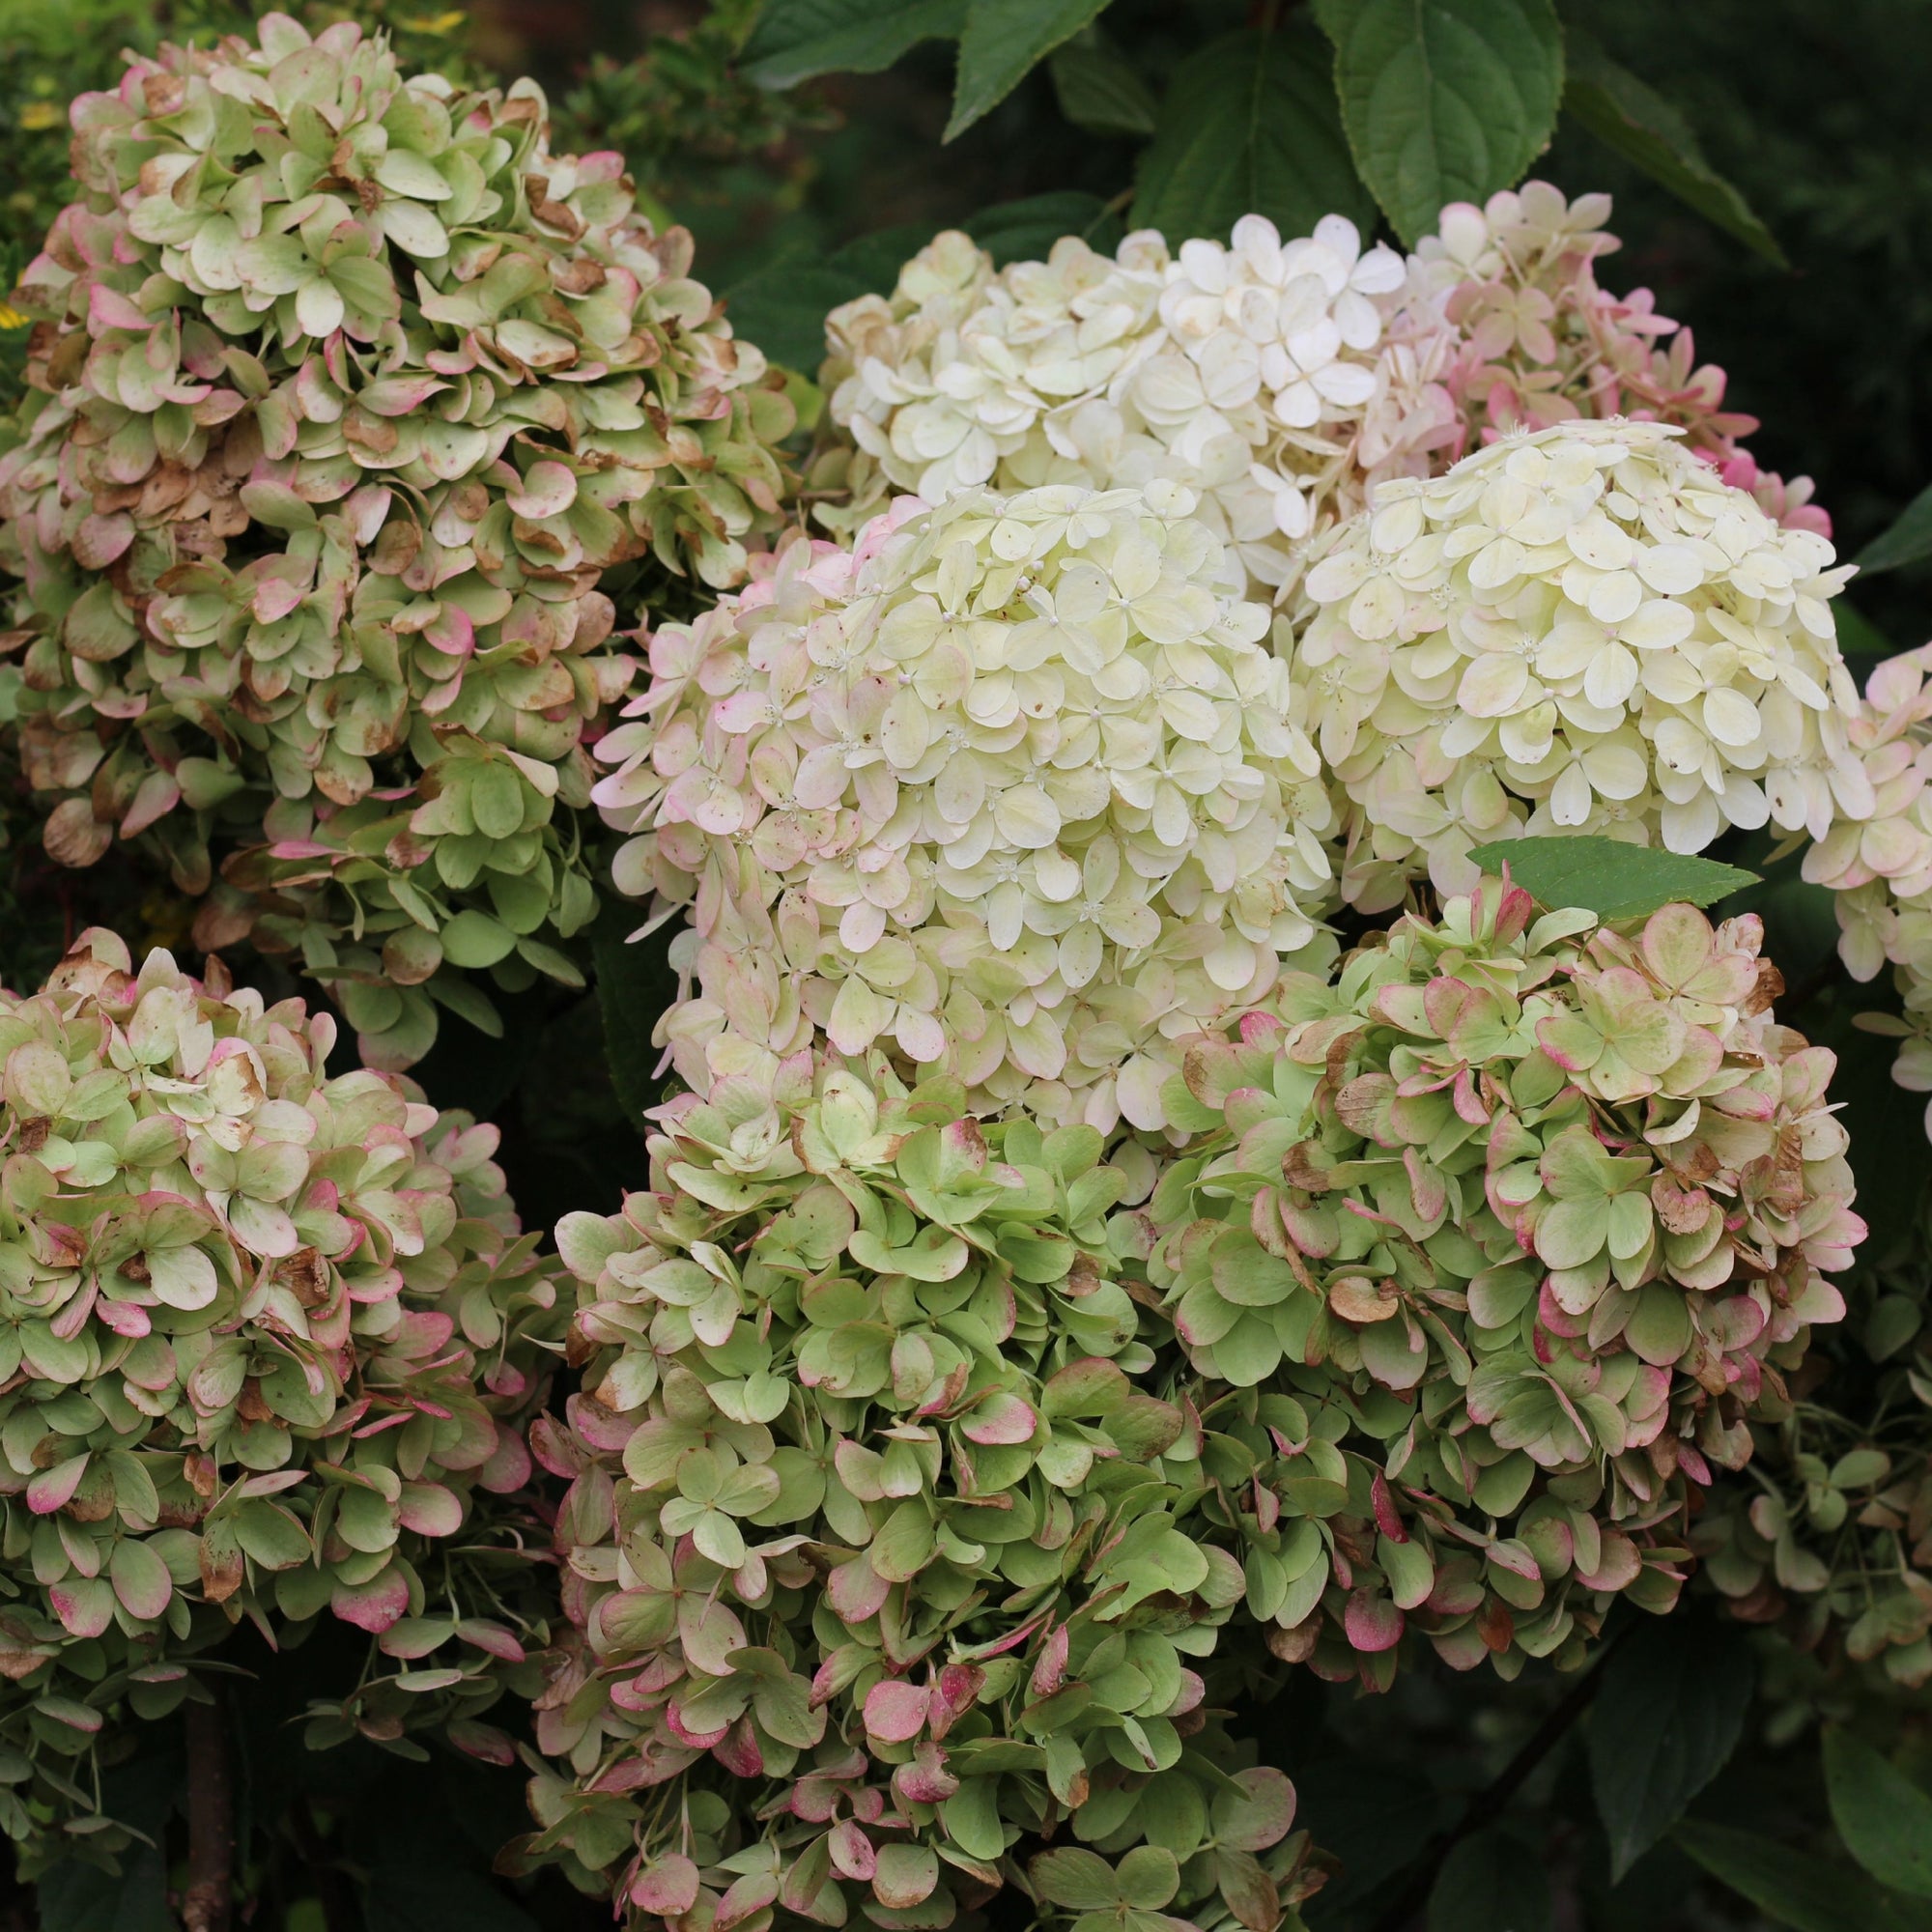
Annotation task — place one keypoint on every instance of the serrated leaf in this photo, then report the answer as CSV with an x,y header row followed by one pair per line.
x,y
796,40
1796,1888
1026,230
1443,99
1885,1819
1098,92
1606,876
1002,42
1664,1725
783,307
1250,125
1489,1883
1627,114
1906,541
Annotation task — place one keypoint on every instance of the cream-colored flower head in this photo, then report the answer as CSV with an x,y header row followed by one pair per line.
x,y
1244,372
1581,630
1013,787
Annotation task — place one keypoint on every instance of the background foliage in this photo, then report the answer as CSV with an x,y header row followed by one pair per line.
x,y
1773,188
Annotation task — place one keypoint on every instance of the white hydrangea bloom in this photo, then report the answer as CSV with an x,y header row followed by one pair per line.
x,y
1581,630
1014,787
1246,372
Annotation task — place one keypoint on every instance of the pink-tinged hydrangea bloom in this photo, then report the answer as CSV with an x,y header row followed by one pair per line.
x,y
273,1338
878,1454
346,393
1582,629
1879,861
1527,1216
1015,787
1510,329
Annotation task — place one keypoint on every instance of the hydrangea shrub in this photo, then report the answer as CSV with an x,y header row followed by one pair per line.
x,y
1526,1219
1015,787
271,1339
1280,379
347,395
1584,629
889,1546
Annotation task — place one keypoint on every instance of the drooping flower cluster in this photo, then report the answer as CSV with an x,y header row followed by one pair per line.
x,y
1013,787
1280,379
887,1549
1878,863
1581,630
1526,1223
349,390
269,1336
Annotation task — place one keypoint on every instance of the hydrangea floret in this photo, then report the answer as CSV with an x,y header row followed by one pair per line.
x,y
269,1339
1529,1216
886,1554
347,393
1015,787
1582,629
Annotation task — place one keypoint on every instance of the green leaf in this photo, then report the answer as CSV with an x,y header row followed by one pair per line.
x,y
795,40
1002,42
1664,1722
1443,99
1022,231
1627,114
1250,125
1861,641
1906,541
1491,1881
1606,876
1885,1819
1098,92
76,1897
634,984
1796,1888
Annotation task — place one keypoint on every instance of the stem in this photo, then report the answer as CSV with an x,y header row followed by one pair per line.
x,y
1490,1802
332,1887
210,1819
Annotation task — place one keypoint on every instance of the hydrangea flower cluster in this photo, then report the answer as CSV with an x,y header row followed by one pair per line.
x,y
1533,340
1580,630
1279,380
1524,1222
1013,786
1878,863
269,1340
347,392
1242,371
887,1546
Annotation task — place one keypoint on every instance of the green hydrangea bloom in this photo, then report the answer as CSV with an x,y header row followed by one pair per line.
x,y
267,1337
1529,1218
348,395
886,1550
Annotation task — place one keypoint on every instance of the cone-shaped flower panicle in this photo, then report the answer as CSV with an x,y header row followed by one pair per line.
x,y
347,390
1015,789
1527,1217
1580,630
